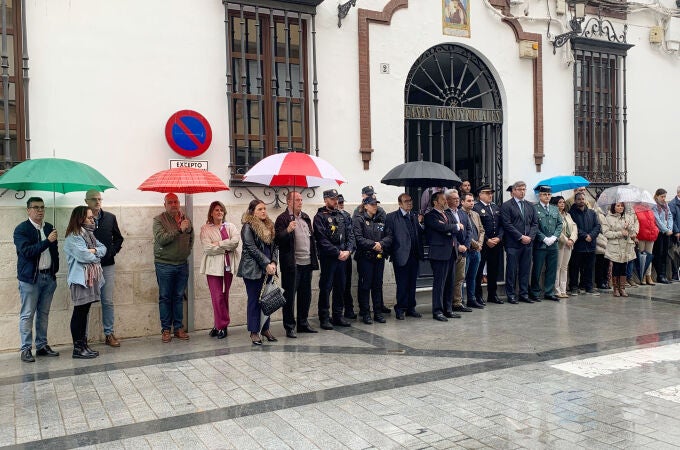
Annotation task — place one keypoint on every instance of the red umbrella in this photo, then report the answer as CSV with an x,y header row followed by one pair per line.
x,y
186,180
293,169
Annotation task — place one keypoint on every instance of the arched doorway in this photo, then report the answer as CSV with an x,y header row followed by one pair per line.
x,y
453,114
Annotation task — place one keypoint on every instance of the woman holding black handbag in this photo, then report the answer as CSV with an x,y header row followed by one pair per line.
x,y
259,261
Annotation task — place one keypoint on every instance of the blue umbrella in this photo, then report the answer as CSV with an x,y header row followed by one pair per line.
x,y
563,182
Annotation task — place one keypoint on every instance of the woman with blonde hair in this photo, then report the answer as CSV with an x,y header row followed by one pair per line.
x,y
620,227
565,245
664,221
259,261
220,240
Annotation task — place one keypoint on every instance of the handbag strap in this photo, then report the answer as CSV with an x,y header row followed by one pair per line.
x,y
273,281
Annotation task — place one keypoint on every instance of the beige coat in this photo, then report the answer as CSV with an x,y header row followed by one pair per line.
x,y
620,248
474,216
573,230
212,262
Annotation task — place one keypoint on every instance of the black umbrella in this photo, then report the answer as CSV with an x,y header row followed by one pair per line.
x,y
421,174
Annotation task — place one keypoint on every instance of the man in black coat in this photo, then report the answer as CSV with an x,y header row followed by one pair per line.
x,y
440,227
520,226
583,255
107,233
335,245
405,254
297,260
492,250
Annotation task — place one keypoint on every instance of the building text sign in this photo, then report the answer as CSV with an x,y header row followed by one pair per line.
x,y
452,114
193,163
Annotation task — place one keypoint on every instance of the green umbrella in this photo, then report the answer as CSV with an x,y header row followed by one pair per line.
x,y
54,175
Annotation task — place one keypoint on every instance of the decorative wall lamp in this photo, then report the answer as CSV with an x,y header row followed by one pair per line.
x,y
343,10
574,24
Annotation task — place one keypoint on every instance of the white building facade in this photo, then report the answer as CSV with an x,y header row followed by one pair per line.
x,y
472,84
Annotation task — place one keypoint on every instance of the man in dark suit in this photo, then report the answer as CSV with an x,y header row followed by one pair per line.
x,y
440,226
405,254
520,226
462,243
492,250
297,259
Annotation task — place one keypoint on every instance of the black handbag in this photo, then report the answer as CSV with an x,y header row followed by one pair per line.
x,y
271,296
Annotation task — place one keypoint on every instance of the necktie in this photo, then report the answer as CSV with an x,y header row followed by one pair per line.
x,y
225,235
521,208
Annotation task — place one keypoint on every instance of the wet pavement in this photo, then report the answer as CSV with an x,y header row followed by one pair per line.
x,y
587,372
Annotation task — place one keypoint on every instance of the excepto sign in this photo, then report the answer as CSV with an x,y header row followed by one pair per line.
x,y
194,164
188,133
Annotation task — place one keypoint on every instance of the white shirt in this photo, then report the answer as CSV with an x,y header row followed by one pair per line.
x,y
45,257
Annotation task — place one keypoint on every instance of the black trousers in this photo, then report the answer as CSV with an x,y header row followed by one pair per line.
x,y
492,258
79,322
332,278
297,282
517,269
581,270
660,252
405,277
601,270
347,294
370,285
442,293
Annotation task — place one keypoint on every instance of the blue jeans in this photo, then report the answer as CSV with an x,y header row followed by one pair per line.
x,y
172,281
471,266
35,301
107,298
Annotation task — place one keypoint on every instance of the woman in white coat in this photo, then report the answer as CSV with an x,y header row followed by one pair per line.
x,y
566,245
620,228
220,241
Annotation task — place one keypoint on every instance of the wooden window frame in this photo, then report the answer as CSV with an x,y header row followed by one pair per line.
x,y
14,29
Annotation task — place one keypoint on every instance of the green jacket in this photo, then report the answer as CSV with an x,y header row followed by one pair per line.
x,y
170,245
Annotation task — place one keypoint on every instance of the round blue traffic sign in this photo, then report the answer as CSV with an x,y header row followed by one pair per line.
x,y
188,133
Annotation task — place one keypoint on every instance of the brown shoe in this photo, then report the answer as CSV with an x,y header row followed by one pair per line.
x,y
166,336
112,341
181,334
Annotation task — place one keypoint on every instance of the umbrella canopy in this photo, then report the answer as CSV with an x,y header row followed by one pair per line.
x,y
293,169
54,175
185,180
421,174
563,182
626,194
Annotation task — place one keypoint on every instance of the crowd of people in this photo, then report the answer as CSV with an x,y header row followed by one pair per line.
x,y
554,248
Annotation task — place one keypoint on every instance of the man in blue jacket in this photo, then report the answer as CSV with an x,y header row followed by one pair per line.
x,y
37,266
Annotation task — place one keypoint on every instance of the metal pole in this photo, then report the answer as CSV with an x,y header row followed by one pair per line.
x,y
189,210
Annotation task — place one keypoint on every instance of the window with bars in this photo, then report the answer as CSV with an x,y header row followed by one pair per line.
x,y
600,112
12,129
266,84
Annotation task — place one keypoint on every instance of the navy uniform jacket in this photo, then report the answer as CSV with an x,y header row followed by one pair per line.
x,y
491,220
549,224
332,233
514,225
401,242
368,231
440,234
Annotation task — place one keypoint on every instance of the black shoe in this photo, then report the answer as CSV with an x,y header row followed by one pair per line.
x,y
270,337
474,304
572,292
46,351
222,333
440,317
27,356
461,308
87,347
213,332
350,315
80,351
399,315
603,286
551,297
367,319
496,299
255,338
533,298
386,310
379,318
662,279
414,313
326,324
340,322
291,334
452,315
512,300
525,300
479,301
306,329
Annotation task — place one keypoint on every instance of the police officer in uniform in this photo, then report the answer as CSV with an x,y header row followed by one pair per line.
x,y
492,250
545,246
373,241
347,295
334,247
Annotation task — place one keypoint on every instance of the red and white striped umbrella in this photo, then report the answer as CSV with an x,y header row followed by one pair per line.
x,y
293,169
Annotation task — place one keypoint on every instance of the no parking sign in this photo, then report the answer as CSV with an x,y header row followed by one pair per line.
x,y
188,133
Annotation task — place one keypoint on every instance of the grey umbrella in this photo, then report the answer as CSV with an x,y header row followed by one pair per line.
x,y
421,174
